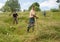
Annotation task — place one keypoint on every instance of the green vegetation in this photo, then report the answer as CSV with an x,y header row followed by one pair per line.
x,y
47,29
36,6
58,1
55,10
11,5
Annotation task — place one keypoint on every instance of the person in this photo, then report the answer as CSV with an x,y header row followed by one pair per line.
x,y
32,17
44,13
15,20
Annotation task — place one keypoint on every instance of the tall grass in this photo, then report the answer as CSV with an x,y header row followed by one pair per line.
x,y
47,29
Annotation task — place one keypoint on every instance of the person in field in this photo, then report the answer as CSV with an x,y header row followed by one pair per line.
x,y
32,17
44,13
15,19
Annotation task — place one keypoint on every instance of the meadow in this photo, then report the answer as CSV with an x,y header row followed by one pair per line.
x,y
47,29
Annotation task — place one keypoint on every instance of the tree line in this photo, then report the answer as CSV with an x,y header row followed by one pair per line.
x,y
14,5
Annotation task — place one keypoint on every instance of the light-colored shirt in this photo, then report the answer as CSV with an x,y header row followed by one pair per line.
x,y
32,13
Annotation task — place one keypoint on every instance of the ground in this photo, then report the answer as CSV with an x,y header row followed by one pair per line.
x,y
47,29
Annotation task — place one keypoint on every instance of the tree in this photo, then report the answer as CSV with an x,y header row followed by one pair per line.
x,y
54,10
36,6
58,1
11,5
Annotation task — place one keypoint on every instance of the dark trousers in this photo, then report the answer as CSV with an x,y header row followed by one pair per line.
x,y
31,24
15,20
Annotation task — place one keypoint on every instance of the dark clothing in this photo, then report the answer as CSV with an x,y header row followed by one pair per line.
x,y
15,20
44,13
15,15
32,20
31,23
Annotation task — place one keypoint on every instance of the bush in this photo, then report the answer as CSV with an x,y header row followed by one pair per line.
x,y
55,10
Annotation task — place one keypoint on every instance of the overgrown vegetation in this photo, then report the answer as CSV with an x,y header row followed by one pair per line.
x,y
11,5
47,29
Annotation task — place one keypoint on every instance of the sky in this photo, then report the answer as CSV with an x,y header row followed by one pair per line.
x,y
44,4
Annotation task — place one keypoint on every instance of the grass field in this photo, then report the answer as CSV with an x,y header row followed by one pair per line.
x,y
47,29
